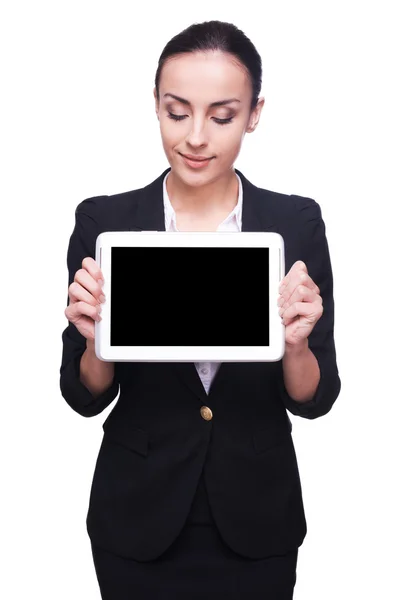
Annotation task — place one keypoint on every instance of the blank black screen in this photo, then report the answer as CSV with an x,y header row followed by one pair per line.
x,y
189,296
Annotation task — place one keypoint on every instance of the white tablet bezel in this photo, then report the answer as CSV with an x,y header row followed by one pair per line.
x,y
274,241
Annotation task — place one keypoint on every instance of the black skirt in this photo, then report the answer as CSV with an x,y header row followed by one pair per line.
x,y
198,565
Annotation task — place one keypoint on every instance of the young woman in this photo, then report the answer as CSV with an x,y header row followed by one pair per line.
x,y
196,489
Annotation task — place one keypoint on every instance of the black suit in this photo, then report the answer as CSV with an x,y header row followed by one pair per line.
x,y
156,441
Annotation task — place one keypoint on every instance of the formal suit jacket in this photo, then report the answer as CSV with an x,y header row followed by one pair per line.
x,y
156,442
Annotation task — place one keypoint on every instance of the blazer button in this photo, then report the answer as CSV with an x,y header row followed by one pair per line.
x,y
206,413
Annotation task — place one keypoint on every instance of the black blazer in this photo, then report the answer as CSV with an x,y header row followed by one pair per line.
x,y
156,441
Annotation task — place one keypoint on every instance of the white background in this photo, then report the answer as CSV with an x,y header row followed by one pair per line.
x,y
78,120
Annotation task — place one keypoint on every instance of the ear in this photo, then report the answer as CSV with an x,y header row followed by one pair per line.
x,y
255,115
156,102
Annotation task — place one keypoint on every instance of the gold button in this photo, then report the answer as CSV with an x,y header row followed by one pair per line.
x,y
206,413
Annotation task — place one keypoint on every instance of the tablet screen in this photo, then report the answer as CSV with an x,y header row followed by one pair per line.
x,y
189,296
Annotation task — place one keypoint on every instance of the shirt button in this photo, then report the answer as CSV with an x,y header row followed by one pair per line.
x,y
206,413
204,371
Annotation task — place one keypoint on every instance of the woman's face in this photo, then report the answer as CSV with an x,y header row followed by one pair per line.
x,y
191,121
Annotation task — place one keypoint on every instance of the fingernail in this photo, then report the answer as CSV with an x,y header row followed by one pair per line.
x,y
100,282
102,298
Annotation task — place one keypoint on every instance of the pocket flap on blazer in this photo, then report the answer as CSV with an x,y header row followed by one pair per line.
x,y
126,435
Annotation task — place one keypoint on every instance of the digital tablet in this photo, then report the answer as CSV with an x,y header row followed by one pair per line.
x,y
190,296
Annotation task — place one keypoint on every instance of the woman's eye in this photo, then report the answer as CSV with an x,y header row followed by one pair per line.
x,y
181,117
223,121
176,117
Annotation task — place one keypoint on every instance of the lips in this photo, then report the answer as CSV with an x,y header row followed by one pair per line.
x,y
197,162
196,158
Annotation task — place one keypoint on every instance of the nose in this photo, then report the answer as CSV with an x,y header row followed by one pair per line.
x,y
197,136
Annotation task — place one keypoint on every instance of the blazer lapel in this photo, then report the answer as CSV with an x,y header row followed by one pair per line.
x,y
257,215
187,372
150,211
257,212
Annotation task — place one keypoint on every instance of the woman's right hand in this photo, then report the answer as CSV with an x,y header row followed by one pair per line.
x,y
85,298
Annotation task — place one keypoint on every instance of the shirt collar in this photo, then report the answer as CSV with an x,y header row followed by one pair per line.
x,y
170,216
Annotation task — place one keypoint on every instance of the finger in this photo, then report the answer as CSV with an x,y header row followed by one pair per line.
x,y
74,311
91,266
310,310
298,267
298,278
305,279
86,280
300,294
89,331
78,293
85,326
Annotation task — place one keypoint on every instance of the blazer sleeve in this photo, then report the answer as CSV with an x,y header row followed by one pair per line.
x,y
313,250
82,243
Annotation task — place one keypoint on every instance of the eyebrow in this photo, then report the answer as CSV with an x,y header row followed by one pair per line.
x,y
218,103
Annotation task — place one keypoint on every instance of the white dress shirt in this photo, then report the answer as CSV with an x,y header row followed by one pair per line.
x,y
233,222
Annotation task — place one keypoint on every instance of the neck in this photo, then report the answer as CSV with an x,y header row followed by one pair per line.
x,y
218,195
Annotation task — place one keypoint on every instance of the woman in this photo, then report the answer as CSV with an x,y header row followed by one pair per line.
x,y
196,489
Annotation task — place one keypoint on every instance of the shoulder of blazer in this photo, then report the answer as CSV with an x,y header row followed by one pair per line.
x,y
279,207
134,209
105,202
111,211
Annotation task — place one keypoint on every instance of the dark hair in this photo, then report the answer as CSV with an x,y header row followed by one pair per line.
x,y
215,35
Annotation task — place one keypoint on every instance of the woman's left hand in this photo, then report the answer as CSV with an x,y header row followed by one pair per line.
x,y
300,303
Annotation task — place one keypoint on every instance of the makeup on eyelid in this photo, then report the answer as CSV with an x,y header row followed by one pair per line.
x,y
218,120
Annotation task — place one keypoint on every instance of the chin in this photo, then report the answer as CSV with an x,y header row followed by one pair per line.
x,y
193,180
191,177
